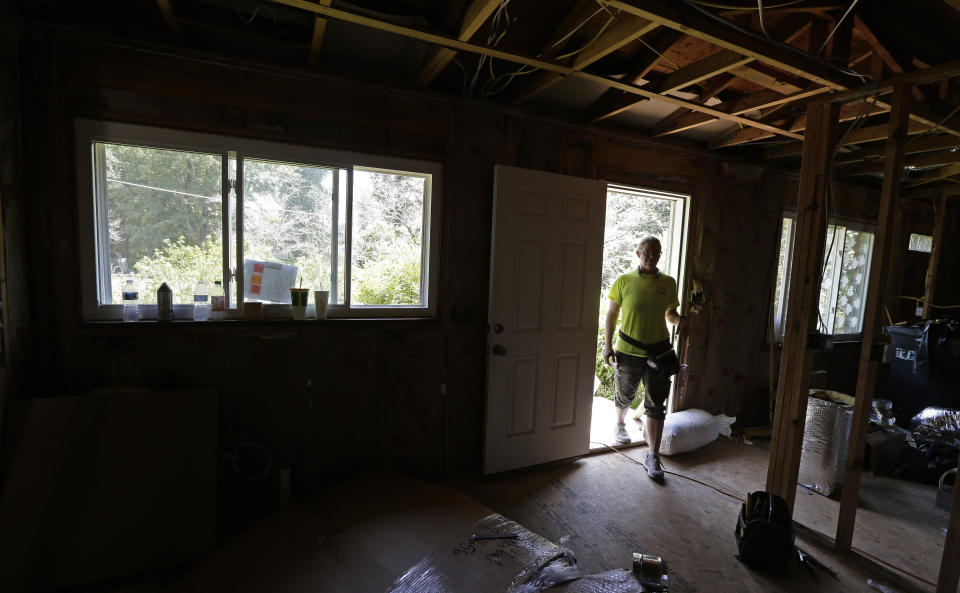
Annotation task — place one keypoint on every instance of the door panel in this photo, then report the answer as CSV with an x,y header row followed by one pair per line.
x,y
544,292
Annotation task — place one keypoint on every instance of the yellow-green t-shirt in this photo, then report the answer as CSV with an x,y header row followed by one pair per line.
x,y
643,300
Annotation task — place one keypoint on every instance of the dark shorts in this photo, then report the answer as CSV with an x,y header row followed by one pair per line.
x,y
630,372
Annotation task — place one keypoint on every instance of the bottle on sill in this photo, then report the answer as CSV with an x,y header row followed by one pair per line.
x,y
164,303
217,300
201,302
131,301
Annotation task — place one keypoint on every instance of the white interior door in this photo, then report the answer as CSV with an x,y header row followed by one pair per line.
x,y
544,301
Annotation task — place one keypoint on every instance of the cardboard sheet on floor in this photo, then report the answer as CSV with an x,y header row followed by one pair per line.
x,y
358,535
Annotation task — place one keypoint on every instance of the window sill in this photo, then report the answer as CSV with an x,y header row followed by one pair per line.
x,y
240,325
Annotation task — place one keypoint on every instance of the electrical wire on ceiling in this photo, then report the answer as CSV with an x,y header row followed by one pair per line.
x,y
493,38
253,15
763,27
694,4
731,7
491,89
837,26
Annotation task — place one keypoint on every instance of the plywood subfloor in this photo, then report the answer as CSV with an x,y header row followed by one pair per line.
x,y
360,534
604,508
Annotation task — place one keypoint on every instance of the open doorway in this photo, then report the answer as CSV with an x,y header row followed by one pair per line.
x,y
631,214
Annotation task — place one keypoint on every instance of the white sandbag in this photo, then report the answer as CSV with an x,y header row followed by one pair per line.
x,y
691,429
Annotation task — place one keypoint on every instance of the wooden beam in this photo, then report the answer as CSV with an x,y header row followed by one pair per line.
x,y
627,29
869,134
872,316
940,174
476,14
675,15
689,105
614,101
799,124
448,42
316,42
802,304
171,19
740,136
916,144
708,91
712,65
922,160
744,104
782,84
917,77
933,267
790,31
427,36
877,47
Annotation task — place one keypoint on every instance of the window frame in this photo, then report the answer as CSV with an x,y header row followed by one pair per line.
x,y
780,309
91,213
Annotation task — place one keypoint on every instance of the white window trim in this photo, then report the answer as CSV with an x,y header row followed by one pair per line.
x,y
781,310
86,132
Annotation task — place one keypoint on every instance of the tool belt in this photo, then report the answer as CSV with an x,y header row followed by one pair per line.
x,y
660,355
765,533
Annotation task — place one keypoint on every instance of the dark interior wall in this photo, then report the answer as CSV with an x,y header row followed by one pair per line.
x,y
329,397
14,366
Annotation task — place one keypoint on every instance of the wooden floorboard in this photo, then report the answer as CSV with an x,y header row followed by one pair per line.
x,y
605,508
359,534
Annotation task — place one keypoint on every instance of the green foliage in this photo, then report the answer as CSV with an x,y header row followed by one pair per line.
x,y
158,195
392,280
177,263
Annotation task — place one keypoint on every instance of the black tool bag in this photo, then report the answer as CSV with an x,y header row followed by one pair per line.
x,y
660,355
765,533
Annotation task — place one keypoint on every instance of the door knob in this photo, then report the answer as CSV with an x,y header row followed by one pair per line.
x,y
499,350
498,329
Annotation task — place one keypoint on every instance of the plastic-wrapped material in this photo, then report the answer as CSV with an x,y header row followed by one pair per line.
x,y
882,412
937,425
824,450
691,429
497,555
612,581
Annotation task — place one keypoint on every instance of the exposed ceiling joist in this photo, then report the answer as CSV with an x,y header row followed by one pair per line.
x,y
740,105
476,14
687,104
922,160
940,174
672,15
627,28
870,134
708,67
709,90
805,8
917,144
614,101
769,80
448,42
878,48
316,42
789,31
917,77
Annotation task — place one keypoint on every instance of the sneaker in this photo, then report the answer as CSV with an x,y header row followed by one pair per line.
x,y
621,434
654,468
